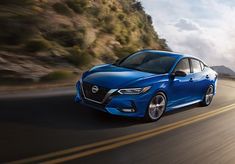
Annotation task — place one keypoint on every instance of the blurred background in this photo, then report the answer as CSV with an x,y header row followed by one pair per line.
x,y
51,42
43,41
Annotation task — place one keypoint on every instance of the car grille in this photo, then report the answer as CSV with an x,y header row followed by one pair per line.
x,y
98,96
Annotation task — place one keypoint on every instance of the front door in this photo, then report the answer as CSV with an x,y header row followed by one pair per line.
x,y
180,88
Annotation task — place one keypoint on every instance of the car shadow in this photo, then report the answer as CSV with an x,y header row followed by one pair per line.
x,y
63,113
59,112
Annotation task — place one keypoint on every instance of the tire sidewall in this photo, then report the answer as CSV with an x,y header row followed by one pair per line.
x,y
147,117
204,100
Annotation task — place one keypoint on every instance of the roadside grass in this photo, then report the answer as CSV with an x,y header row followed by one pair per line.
x,y
79,57
67,37
57,75
78,6
37,45
124,51
16,2
62,9
18,28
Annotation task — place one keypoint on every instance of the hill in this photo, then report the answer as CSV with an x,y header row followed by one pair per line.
x,y
43,40
224,71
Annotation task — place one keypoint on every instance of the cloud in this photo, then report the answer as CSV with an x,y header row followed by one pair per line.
x,y
203,28
186,24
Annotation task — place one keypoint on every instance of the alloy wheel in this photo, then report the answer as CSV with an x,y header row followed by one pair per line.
x,y
209,95
157,107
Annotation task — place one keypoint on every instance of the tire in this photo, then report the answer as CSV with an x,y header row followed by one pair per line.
x,y
156,107
208,97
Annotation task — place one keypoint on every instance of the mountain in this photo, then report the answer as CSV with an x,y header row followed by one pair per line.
x,y
44,40
223,70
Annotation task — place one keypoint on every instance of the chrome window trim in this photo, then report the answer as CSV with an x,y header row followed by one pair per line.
x,y
99,102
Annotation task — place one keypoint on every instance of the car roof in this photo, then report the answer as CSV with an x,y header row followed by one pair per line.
x,y
174,54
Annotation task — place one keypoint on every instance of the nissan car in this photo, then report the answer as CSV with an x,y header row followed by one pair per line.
x,y
146,84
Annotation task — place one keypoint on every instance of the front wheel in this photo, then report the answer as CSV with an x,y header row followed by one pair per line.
x,y
156,107
208,96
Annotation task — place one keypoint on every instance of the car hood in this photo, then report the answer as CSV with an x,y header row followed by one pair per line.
x,y
115,77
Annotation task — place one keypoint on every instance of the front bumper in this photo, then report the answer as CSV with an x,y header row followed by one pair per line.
x,y
121,105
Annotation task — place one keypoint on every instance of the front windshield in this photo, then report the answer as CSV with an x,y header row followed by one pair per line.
x,y
148,62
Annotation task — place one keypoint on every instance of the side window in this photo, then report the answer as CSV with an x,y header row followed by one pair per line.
x,y
196,66
183,65
202,66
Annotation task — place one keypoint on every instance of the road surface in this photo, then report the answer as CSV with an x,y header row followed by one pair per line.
x,y
48,127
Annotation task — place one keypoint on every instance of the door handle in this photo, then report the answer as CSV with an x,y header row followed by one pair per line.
x,y
207,76
191,80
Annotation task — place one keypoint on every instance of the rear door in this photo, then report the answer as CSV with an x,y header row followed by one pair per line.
x,y
198,79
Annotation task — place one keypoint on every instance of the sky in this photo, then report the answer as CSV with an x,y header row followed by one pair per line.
x,y
203,28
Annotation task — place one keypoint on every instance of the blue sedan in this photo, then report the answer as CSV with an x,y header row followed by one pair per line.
x,y
147,84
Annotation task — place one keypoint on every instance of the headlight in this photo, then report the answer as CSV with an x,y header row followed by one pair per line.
x,y
133,91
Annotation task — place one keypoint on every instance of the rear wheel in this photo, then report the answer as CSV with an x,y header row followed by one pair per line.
x,y
208,96
156,107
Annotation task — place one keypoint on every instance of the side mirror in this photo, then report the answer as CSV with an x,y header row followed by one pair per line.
x,y
179,73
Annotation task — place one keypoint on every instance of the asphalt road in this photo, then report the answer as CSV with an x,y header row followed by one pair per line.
x,y
49,127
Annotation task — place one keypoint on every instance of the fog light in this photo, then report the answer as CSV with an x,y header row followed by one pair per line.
x,y
128,110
